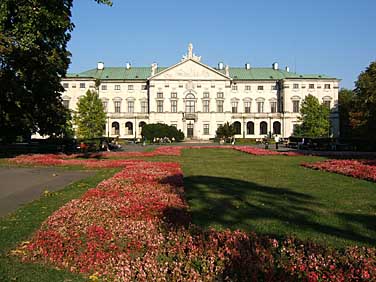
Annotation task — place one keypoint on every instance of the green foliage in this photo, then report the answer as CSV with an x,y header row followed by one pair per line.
x,y
363,114
346,101
159,130
33,58
90,117
225,131
314,119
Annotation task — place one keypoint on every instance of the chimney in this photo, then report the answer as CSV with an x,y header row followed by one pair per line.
x,y
127,65
287,69
221,65
247,66
100,66
275,66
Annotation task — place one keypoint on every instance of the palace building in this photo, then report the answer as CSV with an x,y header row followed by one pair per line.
x,y
197,98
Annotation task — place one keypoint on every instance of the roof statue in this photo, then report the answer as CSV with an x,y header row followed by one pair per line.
x,y
190,54
154,67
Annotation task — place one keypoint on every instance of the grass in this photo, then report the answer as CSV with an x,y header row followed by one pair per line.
x,y
20,225
229,189
274,195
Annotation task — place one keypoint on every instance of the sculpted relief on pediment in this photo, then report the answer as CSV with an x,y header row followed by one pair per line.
x,y
190,70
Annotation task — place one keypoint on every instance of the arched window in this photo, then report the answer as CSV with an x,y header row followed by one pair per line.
x,y
237,127
190,103
129,128
141,124
115,128
263,128
276,127
250,128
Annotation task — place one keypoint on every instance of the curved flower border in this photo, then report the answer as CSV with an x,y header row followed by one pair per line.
x,y
362,169
135,226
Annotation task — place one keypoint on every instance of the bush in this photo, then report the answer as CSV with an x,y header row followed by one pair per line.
x,y
159,130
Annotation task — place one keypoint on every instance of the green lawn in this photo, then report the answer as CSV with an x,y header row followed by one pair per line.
x,y
274,195
229,189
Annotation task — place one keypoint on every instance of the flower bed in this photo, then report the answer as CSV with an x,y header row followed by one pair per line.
x,y
135,227
363,169
262,152
111,159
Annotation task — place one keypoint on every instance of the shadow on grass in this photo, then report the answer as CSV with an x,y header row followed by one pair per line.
x,y
231,203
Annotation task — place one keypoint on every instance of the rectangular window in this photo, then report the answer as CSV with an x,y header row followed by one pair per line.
x,y
234,87
295,86
213,86
130,106
295,106
247,107
73,85
180,86
260,87
66,103
326,86
144,107
104,104
104,87
234,107
66,85
130,87
247,88
311,86
260,107
274,87
174,95
117,106
167,85
273,107
220,95
160,106
174,106
117,87
206,94
206,129
206,104
82,85
220,106
159,95
198,85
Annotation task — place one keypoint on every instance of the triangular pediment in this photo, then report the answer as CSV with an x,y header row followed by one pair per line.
x,y
190,70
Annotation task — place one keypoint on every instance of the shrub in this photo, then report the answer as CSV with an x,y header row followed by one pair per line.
x,y
159,130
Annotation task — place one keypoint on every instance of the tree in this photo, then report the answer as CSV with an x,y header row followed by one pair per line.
x,y
346,101
225,131
363,115
33,58
314,119
90,117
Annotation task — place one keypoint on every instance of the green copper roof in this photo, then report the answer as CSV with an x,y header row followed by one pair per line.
x,y
143,73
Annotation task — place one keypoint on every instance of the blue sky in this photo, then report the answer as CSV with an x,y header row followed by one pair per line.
x,y
336,38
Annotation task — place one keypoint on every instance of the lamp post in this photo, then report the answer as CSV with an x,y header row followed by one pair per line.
x,y
135,128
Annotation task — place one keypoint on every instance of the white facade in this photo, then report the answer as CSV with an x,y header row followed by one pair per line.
x,y
197,98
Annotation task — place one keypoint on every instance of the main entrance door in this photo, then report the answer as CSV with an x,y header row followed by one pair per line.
x,y
189,130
